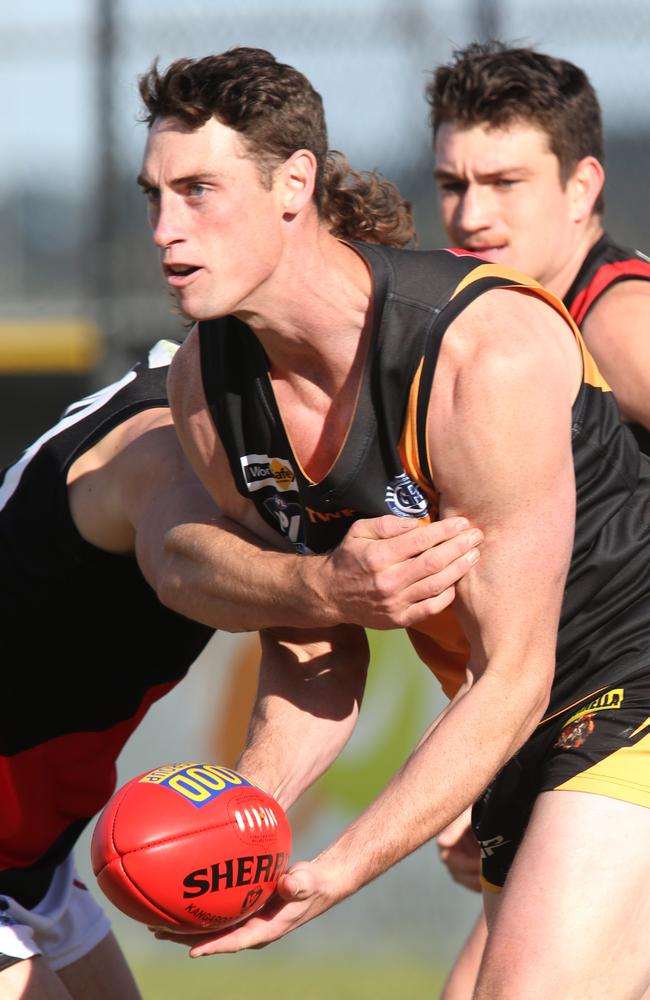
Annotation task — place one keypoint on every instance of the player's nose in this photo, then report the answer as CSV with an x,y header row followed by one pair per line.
x,y
474,209
167,226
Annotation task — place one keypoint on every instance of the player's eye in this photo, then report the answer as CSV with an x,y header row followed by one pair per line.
x,y
452,187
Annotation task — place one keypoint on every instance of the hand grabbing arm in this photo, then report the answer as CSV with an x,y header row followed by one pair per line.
x,y
501,441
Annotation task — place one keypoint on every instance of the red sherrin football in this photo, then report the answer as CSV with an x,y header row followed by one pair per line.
x,y
191,846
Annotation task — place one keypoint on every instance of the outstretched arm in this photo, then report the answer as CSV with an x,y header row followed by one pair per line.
x,y
387,572
135,490
501,441
308,701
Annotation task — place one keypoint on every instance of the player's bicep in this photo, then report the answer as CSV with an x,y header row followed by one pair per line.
x,y
500,437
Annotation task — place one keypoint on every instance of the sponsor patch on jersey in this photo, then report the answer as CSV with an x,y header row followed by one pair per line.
x,y
198,783
405,498
260,471
289,520
607,700
321,516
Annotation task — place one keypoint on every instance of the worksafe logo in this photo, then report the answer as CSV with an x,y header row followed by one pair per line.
x,y
260,471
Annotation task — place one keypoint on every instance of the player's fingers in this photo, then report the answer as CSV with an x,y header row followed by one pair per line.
x,y
389,526
431,595
409,536
187,938
238,939
438,566
298,883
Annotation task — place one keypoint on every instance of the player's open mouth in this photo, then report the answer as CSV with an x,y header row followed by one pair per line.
x,y
180,274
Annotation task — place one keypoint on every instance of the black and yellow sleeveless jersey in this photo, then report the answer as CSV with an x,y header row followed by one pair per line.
x,y
383,465
605,265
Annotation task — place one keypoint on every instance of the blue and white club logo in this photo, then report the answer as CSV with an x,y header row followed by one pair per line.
x,y
405,498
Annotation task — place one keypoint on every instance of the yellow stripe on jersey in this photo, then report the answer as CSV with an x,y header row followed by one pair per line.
x,y
408,446
489,886
591,374
624,775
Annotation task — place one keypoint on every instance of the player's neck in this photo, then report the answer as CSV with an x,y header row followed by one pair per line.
x,y
311,319
560,282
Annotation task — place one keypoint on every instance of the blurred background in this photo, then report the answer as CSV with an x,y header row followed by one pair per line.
x,y
80,298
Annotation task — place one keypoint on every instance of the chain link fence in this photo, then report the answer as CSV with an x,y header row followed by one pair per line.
x,y
74,237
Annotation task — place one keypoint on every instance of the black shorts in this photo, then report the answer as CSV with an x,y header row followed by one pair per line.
x,y
599,745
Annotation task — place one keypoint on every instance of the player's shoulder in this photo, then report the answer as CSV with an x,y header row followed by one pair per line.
x,y
185,377
425,278
122,418
511,334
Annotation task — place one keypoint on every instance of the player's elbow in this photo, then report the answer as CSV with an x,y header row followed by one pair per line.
x,y
537,695
169,588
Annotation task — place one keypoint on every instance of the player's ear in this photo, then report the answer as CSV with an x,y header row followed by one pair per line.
x,y
585,184
298,180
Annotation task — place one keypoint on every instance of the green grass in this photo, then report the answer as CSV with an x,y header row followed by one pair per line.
x,y
248,977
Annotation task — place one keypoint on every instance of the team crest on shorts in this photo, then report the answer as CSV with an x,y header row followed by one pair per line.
x,y
405,498
576,733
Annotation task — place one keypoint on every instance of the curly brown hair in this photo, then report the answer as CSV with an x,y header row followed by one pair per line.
x,y
494,84
364,205
276,111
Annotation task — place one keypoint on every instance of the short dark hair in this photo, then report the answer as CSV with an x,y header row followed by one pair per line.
x,y
276,111
494,84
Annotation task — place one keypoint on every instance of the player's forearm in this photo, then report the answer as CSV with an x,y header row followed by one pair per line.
x,y
384,574
447,772
306,708
223,576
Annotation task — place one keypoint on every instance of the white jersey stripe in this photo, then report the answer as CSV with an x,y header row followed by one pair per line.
x,y
88,406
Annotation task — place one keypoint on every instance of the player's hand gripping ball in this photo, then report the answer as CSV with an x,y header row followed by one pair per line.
x,y
190,846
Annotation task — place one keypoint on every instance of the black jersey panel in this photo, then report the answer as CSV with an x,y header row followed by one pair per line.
x,y
87,646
